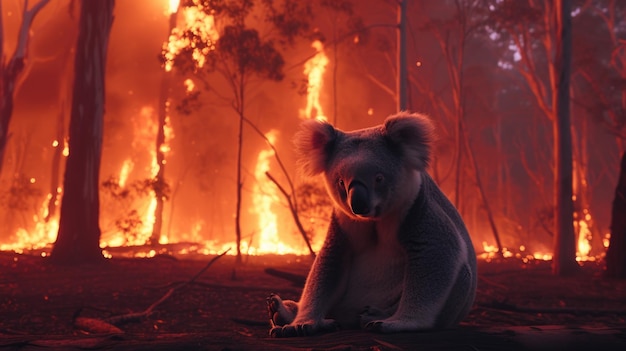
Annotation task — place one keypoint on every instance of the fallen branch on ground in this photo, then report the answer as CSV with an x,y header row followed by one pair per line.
x,y
111,322
295,279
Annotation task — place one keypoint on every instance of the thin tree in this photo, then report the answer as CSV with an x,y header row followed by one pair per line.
x,y
12,70
78,240
564,259
402,78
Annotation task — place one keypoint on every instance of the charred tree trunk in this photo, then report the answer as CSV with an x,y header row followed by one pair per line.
x,y
10,72
564,261
616,253
240,110
78,240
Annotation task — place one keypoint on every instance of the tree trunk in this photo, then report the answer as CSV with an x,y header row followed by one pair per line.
x,y
402,82
616,253
564,260
78,240
240,111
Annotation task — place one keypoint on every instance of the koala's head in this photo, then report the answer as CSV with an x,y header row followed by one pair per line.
x,y
368,172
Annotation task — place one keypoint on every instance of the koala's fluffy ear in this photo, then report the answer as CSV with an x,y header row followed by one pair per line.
x,y
314,142
412,133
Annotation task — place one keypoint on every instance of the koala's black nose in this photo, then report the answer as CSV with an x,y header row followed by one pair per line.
x,y
358,198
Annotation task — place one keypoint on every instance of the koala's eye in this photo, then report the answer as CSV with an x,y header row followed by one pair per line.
x,y
341,183
379,178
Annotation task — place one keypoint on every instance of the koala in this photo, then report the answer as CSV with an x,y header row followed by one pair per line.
x,y
397,256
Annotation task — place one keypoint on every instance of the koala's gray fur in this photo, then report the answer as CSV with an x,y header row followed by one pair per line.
x,y
397,256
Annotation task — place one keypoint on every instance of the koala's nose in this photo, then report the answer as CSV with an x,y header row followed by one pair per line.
x,y
358,198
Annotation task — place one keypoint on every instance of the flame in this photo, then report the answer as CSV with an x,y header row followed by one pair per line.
x,y
127,167
195,20
314,68
583,245
173,6
265,195
189,85
491,252
144,135
43,234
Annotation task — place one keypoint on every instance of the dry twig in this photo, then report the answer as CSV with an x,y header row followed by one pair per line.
x,y
138,316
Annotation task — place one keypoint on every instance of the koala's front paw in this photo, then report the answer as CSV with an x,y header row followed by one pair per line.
x,y
303,329
391,325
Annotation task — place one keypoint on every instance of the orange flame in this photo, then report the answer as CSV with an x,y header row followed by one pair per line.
x,y
199,23
265,196
491,252
314,68
173,6
583,245
43,233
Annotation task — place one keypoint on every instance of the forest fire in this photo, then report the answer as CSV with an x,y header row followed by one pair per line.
x,y
164,170
129,203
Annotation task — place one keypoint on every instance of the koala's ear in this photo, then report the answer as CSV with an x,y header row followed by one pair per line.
x,y
413,134
314,143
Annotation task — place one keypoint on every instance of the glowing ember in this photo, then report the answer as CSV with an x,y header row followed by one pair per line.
x,y
606,240
189,85
314,68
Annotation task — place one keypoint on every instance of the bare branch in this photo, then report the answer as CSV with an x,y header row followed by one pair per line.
x,y
27,20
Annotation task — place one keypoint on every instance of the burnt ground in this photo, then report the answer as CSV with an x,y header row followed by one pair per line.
x,y
518,306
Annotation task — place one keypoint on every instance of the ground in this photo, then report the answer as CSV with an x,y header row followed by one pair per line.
x,y
518,306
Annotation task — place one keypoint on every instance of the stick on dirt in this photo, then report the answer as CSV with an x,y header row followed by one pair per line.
x,y
136,316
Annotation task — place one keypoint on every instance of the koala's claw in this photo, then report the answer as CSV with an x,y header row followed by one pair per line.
x,y
288,331
294,330
274,303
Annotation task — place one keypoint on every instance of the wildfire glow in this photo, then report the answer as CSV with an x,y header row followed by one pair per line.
x,y
200,24
491,252
314,69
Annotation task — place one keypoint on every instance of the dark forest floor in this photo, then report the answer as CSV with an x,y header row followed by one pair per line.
x,y
518,306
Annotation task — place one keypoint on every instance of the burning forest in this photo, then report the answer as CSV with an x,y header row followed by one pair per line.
x,y
173,136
